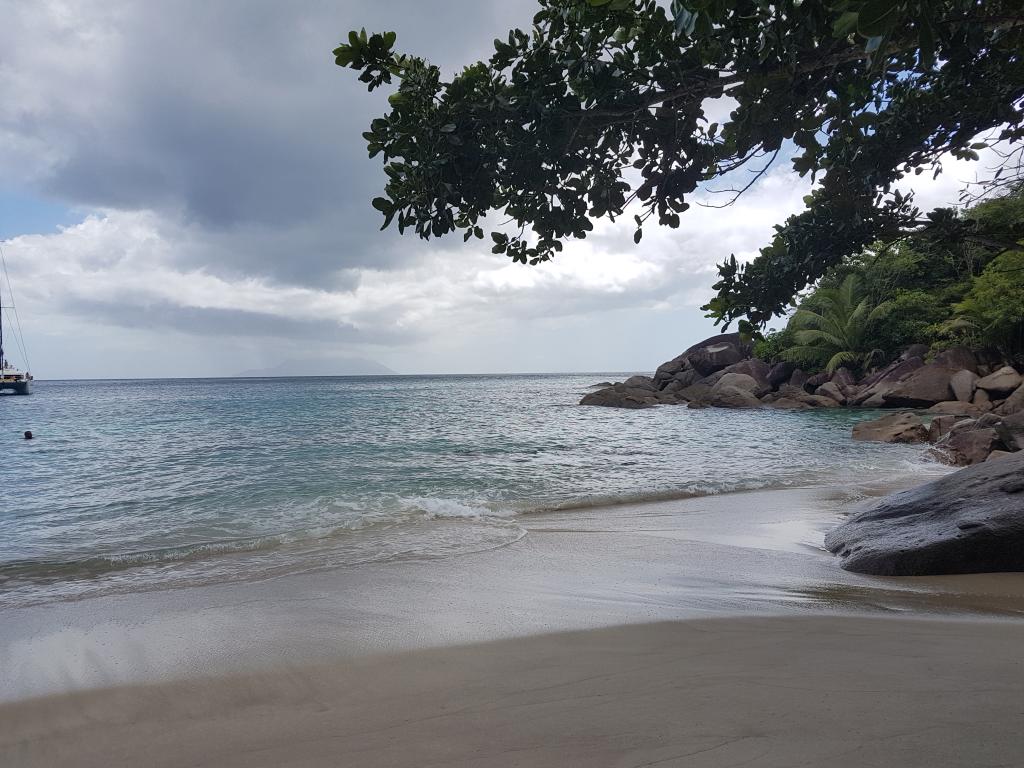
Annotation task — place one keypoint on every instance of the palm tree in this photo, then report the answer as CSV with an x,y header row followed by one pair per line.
x,y
832,328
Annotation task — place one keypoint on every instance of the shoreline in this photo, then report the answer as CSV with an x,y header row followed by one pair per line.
x,y
739,554
799,690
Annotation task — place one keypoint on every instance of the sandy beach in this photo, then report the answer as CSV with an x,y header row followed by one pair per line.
x,y
780,692
704,631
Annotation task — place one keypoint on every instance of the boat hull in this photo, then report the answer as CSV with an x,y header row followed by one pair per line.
x,y
15,387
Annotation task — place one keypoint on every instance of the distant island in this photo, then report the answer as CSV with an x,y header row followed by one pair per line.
x,y
337,366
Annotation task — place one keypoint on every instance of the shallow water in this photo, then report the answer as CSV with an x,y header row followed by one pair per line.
x,y
136,485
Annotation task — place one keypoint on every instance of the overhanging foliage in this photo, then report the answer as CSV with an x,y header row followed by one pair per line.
x,y
603,103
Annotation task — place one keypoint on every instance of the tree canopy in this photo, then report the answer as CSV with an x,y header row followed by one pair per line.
x,y
928,291
601,110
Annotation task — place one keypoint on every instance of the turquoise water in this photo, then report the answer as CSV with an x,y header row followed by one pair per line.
x,y
134,485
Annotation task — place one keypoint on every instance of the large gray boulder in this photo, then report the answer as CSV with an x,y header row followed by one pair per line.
x,y
957,358
958,408
708,362
940,427
733,397
798,379
875,387
971,521
962,448
780,373
1001,382
715,357
832,390
739,380
1011,431
915,350
892,428
668,370
924,387
963,384
757,370
634,392
610,398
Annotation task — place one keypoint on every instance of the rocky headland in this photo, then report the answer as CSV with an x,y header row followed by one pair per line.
x,y
970,410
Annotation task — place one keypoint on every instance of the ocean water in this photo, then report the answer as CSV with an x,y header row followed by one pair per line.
x,y
137,485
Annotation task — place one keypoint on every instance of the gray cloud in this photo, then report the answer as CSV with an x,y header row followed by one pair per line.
x,y
214,153
228,115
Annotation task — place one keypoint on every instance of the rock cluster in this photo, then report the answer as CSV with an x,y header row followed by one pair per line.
x,y
720,372
971,411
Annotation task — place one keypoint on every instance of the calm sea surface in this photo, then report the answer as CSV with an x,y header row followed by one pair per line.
x,y
133,485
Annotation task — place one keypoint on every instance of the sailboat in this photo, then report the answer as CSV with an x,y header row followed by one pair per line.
x,y
12,380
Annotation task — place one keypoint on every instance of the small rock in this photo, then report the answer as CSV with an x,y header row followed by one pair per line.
x,y
957,408
1011,431
1013,404
739,380
831,389
963,384
697,392
999,455
640,382
730,396
798,379
894,428
965,447
915,350
788,403
1001,383
940,427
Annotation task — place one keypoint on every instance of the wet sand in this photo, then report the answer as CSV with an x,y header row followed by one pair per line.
x,y
786,692
764,651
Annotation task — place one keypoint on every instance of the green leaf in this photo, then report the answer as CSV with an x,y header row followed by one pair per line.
x,y
877,17
382,204
845,25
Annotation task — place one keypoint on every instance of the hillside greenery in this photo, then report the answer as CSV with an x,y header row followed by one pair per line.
x,y
920,291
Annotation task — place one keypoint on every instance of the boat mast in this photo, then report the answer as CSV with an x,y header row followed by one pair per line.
x,y
3,364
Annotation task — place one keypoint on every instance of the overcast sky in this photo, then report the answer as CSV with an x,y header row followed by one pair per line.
x,y
184,191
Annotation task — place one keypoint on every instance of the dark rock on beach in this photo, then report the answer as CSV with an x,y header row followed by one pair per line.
x,y
971,521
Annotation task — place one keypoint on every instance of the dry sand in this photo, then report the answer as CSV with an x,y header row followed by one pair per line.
x,y
786,692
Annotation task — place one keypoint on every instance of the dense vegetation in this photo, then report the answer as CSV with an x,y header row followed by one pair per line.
x,y
916,291
600,110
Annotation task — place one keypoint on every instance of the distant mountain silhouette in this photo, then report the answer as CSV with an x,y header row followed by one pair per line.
x,y
338,366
